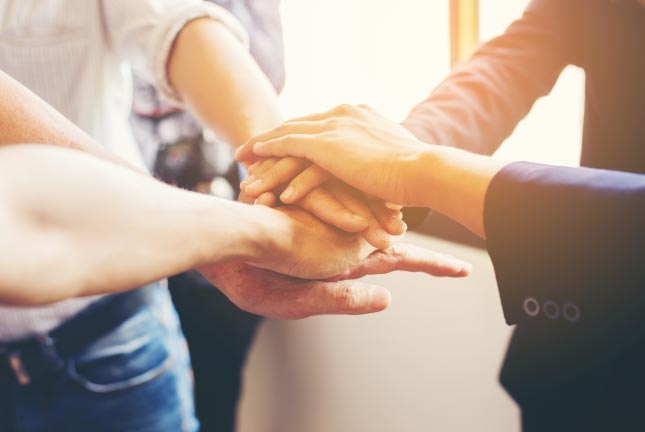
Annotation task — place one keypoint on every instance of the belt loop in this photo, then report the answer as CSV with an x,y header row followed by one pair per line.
x,y
19,369
48,348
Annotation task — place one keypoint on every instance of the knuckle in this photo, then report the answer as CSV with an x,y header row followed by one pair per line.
x,y
281,130
288,139
348,297
308,175
335,123
299,307
329,136
346,109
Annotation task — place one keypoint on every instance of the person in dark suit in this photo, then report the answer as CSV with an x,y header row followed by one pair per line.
x,y
563,376
566,244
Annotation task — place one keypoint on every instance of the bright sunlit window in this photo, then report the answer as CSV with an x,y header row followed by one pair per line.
x,y
391,56
356,51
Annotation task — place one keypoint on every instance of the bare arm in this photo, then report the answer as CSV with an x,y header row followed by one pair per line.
x,y
221,83
76,225
479,104
25,118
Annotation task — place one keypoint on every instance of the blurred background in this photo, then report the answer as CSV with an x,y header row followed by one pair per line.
x,y
431,361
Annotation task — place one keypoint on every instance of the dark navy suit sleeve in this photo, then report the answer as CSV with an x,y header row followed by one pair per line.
x,y
568,245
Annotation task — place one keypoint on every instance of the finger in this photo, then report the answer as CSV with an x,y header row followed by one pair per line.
x,y
411,258
391,220
260,167
303,183
267,199
281,172
297,145
304,127
245,152
323,205
244,198
352,201
344,297
414,258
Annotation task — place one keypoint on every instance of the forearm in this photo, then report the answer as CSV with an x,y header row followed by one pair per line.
x,y
76,225
221,83
479,104
454,182
25,118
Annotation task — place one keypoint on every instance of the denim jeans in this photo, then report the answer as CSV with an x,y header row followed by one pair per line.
x,y
134,379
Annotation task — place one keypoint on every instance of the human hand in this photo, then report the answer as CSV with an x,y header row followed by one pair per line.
x,y
292,241
334,202
355,144
278,296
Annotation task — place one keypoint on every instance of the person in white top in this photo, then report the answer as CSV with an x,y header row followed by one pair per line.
x,y
117,363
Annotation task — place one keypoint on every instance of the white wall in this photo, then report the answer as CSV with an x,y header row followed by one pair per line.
x,y
429,363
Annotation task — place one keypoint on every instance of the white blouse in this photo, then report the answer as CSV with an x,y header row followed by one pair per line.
x,y
76,55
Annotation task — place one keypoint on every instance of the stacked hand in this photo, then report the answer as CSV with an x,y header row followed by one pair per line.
x,y
279,296
354,144
349,161
328,199
322,251
299,244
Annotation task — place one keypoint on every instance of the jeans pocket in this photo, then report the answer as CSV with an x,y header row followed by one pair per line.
x,y
133,354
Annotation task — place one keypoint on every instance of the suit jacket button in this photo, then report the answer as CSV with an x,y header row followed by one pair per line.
x,y
531,307
571,312
551,310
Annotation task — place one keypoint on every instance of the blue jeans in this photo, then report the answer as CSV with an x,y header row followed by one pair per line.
x,y
135,379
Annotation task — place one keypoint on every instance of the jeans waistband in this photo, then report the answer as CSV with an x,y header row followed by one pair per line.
x,y
36,357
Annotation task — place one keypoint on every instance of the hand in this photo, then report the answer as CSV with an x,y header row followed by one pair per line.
x,y
335,203
273,295
355,144
303,246
298,244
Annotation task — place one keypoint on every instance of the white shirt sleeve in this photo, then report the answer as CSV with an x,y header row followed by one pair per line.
x,y
142,32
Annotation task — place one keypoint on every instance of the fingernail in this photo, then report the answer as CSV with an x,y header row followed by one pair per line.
x,y
255,184
288,193
238,152
379,299
257,146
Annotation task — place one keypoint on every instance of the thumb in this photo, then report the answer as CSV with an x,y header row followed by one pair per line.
x,y
343,297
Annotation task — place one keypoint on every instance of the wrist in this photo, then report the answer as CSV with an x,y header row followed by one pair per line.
x,y
224,231
420,177
454,182
264,232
